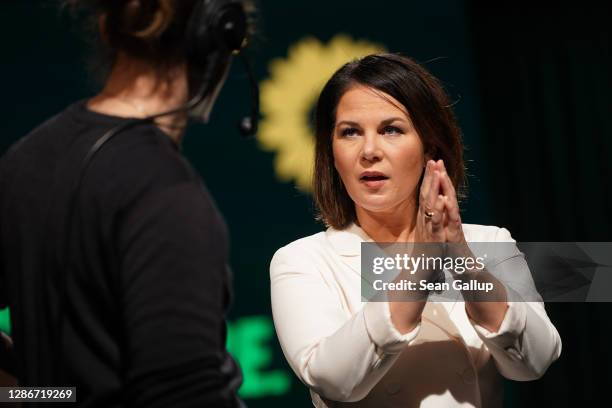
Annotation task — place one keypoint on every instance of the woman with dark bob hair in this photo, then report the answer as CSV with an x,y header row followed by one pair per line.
x,y
113,253
389,169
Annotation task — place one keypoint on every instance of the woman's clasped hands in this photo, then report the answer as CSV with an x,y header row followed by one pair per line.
x,y
438,218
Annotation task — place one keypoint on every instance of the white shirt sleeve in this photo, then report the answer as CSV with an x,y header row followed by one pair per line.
x,y
338,356
527,342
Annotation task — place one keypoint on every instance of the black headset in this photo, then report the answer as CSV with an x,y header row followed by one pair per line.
x,y
216,31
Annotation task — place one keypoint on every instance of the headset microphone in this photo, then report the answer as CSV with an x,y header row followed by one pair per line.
x,y
248,125
216,32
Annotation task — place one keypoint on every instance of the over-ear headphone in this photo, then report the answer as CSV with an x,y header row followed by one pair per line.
x,y
215,26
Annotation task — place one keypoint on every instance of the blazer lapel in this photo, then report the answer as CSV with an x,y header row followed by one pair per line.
x,y
346,244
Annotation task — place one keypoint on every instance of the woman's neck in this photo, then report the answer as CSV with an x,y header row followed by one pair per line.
x,y
394,225
135,89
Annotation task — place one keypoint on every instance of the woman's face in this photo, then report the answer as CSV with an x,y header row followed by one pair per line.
x,y
377,151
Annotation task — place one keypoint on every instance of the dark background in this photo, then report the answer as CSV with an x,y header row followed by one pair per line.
x,y
533,91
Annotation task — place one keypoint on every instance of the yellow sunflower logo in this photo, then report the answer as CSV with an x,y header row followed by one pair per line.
x,y
289,95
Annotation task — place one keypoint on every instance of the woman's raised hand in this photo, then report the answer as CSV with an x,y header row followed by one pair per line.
x,y
438,218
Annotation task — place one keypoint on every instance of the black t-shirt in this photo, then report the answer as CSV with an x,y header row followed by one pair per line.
x,y
134,316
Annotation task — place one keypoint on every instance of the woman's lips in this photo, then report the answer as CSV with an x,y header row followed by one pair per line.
x,y
373,179
374,183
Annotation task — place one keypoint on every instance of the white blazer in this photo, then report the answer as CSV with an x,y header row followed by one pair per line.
x,y
346,350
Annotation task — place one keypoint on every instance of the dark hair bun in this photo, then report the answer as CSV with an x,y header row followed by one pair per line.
x,y
149,29
144,19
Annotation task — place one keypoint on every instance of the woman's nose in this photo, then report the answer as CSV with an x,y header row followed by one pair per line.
x,y
370,150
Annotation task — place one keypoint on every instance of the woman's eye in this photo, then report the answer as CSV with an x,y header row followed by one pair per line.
x,y
392,130
349,132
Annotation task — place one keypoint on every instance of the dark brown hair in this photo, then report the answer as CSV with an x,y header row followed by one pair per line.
x,y
430,111
152,30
